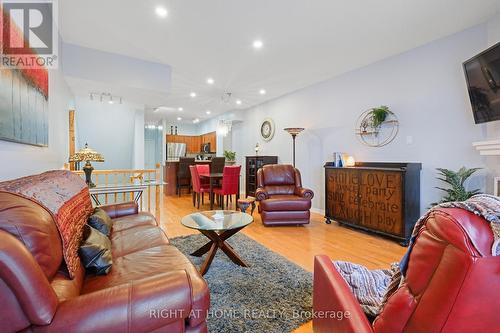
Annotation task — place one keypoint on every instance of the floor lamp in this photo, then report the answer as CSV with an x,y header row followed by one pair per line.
x,y
294,131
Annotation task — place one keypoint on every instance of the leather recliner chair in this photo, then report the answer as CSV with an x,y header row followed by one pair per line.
x,y
452,284
282,198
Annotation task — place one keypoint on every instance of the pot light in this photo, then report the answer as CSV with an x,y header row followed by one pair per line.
x,y
257,44
210,81
180,109
262,91
192,94
208,112
161,11
196,120
179,118
238,102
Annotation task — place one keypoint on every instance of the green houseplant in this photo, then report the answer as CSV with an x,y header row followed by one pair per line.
x,y
379,115
456,181
230,156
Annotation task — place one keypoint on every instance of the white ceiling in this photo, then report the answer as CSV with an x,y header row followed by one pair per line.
x,y
305,41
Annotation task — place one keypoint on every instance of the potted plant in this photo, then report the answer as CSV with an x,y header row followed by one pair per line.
x,y
379,115
456,180
230,157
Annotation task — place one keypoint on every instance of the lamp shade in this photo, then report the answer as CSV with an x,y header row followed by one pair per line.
x,y
294,130
86,154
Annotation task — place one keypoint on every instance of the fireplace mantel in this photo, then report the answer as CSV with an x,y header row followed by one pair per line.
x,y
488,148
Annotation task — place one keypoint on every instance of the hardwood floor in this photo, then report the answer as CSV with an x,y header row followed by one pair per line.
x,y
298,244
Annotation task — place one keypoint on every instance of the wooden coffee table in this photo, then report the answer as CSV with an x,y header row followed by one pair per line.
x,y
217,226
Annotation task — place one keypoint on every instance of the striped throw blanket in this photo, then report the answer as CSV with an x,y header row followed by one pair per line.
x,y
368,286
372,288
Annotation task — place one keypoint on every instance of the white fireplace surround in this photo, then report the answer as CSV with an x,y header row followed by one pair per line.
x,y
488,148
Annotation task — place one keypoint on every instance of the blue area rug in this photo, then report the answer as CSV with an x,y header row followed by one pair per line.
x,y
273,295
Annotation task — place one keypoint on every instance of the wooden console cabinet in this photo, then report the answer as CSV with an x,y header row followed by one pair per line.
x,y
380,197
254,163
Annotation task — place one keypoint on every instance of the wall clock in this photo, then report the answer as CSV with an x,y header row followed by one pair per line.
x,y
267,129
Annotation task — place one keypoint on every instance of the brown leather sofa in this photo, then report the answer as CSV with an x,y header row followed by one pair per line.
x,y
151,287
282,198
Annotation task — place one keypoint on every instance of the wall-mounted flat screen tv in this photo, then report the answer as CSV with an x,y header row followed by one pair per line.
x,y
483,79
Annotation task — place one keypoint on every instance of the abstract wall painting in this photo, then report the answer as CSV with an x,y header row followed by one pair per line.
x,y
24,95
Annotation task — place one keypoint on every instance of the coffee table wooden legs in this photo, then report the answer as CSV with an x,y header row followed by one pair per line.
x,y
218,241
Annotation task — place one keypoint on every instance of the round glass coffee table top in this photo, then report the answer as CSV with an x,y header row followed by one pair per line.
x,y
217,220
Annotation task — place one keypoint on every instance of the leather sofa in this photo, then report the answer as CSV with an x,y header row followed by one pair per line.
x,y
282,199
452,284
151,287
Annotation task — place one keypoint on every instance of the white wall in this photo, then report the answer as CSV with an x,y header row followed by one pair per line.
x,y
21,160
182,128
116,69
492,130
138,153
110,130
425,87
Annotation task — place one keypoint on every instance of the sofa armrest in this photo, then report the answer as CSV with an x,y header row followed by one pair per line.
x,y
335,307
304,192
261,194
139,306
122,209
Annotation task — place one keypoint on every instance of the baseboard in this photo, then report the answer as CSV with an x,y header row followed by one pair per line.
x,y
318,211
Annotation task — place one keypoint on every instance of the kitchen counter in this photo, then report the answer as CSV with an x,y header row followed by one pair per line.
x,y
170,174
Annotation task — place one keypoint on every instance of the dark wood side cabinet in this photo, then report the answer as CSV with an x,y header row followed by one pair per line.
x,y
254,163
380,197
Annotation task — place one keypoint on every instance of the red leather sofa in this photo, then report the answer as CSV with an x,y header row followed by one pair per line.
x,y
282,198
151,287
452,284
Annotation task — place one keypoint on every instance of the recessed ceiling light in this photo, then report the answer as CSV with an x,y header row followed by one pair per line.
x,y
161,11
179,118
262,91
238,102
111,101
193,94
210,80
180,109
196,120
257,44
208,112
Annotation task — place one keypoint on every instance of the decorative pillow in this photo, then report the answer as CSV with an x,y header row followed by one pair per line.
x,y
101,221
95,251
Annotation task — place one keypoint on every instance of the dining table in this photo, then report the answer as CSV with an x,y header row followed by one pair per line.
x,y
212,177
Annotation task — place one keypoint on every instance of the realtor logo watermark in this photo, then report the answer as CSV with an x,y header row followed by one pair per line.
x,y
29,35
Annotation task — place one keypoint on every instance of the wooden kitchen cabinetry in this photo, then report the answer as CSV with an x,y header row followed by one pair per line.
x,y
194,142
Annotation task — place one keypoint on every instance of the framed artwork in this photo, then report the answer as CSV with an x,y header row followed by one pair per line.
x,y
24,95
267,129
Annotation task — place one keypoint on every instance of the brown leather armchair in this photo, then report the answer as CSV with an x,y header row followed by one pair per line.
x,y
282,198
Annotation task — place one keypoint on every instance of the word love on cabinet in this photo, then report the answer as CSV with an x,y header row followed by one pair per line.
x,y
379,197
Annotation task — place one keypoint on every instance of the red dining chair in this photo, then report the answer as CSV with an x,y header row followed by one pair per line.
x,y
230,183
199,188
203,168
